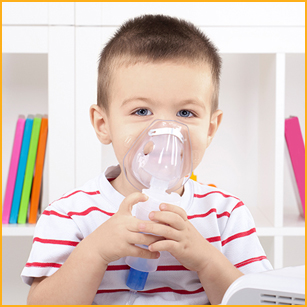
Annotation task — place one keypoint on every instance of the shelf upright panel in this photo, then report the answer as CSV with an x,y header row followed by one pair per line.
x,y
88,147
266,136
61,135
279,138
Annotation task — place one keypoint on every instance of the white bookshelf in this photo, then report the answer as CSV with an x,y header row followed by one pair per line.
x,y
50,53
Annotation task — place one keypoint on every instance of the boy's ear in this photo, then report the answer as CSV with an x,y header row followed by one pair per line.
x,y
215,121
99,121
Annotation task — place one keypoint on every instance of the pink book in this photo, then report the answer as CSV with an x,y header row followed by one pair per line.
x,y
10,185
296,149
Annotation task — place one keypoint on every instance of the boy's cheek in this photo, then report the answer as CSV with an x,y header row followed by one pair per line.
x,y
122,144
196,157
128,135
199,142
128,141
198,152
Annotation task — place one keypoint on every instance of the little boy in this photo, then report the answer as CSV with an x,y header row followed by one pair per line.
x,y
155,67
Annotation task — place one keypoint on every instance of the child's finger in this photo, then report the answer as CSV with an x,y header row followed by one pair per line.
x,y
173,208
143,239
165,245
127,204
161,230
134,225
136,251
169,218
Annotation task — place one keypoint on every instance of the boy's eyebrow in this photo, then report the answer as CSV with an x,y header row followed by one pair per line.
x,y
182,102
195,102
136,98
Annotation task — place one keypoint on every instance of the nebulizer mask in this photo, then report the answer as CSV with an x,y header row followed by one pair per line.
x,y
158,163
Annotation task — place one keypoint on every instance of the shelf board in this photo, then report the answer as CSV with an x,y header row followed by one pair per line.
x,y
280,231
18,230
294,224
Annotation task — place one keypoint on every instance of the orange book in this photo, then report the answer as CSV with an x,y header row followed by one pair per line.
x,y
39,165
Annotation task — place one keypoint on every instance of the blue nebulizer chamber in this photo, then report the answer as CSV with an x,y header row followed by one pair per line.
x,y
158,163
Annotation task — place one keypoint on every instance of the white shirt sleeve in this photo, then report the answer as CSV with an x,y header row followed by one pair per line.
x,y
56,235
240,243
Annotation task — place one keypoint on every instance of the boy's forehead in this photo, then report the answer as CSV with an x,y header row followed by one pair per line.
x,y
126,67
182,79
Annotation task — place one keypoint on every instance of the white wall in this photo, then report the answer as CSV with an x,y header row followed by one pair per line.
x,y
248,35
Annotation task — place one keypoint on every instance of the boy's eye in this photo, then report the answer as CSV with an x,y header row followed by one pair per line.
x,y
143,112
185,113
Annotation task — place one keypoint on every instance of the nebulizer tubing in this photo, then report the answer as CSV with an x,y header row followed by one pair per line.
x,y
158,163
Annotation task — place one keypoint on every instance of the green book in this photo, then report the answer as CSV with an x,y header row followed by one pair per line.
x,y
27,184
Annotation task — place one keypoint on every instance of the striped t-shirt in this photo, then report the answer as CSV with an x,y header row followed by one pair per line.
x,y
219,216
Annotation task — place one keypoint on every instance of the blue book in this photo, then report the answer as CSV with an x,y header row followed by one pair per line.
x,y
21,169
27,183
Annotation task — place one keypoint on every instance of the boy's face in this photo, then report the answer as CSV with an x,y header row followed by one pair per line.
x,y
144,92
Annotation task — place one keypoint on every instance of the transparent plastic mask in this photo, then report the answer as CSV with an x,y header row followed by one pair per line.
x,y
161,157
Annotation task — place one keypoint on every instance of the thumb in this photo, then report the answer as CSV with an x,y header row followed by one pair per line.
x,y
127,204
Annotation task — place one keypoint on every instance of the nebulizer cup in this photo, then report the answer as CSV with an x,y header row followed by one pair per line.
x,y
158,163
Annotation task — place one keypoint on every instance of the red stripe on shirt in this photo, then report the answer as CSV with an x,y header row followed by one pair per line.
x,y
239,235
219,192
118,267
168,289
50,241
157,290
43,264
223,214
159,268
172,268
214,239
75,192
51,212
89,210
202,215
237,205
111,179
112,291
218,215
251,260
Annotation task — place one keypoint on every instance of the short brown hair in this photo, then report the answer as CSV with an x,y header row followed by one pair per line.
x,y
156,38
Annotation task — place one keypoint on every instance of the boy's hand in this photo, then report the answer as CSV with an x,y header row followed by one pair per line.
x,y
182,239
192,250
116,238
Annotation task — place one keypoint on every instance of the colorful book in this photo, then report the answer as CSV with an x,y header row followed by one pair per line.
x,y
10,184
39,166
296,149
28,178
21,169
